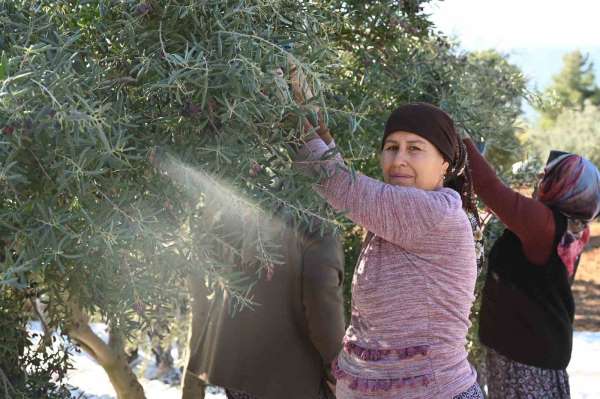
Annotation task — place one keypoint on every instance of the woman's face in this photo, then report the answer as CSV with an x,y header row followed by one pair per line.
x,y
409,160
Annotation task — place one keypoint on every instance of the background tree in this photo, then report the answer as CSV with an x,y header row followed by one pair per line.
x,y
569,116
570,88
576,131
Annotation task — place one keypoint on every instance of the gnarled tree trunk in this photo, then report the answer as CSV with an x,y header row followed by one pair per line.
x,y
111,356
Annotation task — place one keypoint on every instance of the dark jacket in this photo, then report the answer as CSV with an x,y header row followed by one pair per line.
x,y
283,347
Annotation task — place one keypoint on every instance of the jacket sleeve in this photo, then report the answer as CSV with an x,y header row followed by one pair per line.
x,y
322,295
531,220
401,215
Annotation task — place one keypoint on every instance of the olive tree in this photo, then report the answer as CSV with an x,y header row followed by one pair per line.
x,y
127,129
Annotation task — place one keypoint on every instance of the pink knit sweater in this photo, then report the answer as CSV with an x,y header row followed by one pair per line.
x,y
412,289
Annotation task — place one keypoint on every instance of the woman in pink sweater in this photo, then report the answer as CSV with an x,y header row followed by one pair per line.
x,y
414,283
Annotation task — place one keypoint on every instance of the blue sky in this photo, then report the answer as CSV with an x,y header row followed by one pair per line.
x,y
534,33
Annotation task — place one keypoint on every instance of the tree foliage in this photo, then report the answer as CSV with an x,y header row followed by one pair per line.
x,y
127,130
31,366
576,131
569,116
570,89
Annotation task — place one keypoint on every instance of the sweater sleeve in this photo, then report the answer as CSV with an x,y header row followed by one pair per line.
x,y
401,215
531,220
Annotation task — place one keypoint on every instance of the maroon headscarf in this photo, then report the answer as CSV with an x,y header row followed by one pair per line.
x,y
427,121
437,127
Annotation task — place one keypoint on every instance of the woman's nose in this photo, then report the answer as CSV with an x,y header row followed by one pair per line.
x,y
400,158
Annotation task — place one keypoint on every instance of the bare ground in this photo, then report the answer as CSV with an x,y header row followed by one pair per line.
x,y
586,288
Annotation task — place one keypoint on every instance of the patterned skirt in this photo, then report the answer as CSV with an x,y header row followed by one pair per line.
x,y
508,379
472,393
344,392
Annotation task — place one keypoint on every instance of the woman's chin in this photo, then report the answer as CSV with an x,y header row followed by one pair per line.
x,y
402,182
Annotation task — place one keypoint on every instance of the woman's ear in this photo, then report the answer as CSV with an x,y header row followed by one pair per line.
x,y
445,167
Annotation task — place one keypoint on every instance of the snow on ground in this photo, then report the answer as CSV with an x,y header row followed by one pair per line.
x,y
584,369
584,374
89,381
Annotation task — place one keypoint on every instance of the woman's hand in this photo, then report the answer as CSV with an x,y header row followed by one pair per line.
x,y
465,137
322,130
302,93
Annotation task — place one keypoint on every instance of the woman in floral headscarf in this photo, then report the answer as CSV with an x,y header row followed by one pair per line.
x,y
527,308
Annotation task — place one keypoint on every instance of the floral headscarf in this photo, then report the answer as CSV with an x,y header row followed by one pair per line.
x,y
571,184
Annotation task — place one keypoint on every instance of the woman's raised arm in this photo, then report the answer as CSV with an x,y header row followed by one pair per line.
x,y
398,214
531,220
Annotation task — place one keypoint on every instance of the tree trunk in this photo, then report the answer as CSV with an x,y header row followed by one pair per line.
x,y
193,387
111,356
123,380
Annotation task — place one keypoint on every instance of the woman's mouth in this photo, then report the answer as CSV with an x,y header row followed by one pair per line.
x,y
401,178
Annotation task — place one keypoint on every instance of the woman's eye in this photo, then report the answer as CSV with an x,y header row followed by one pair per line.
x,y
392,148
414,148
